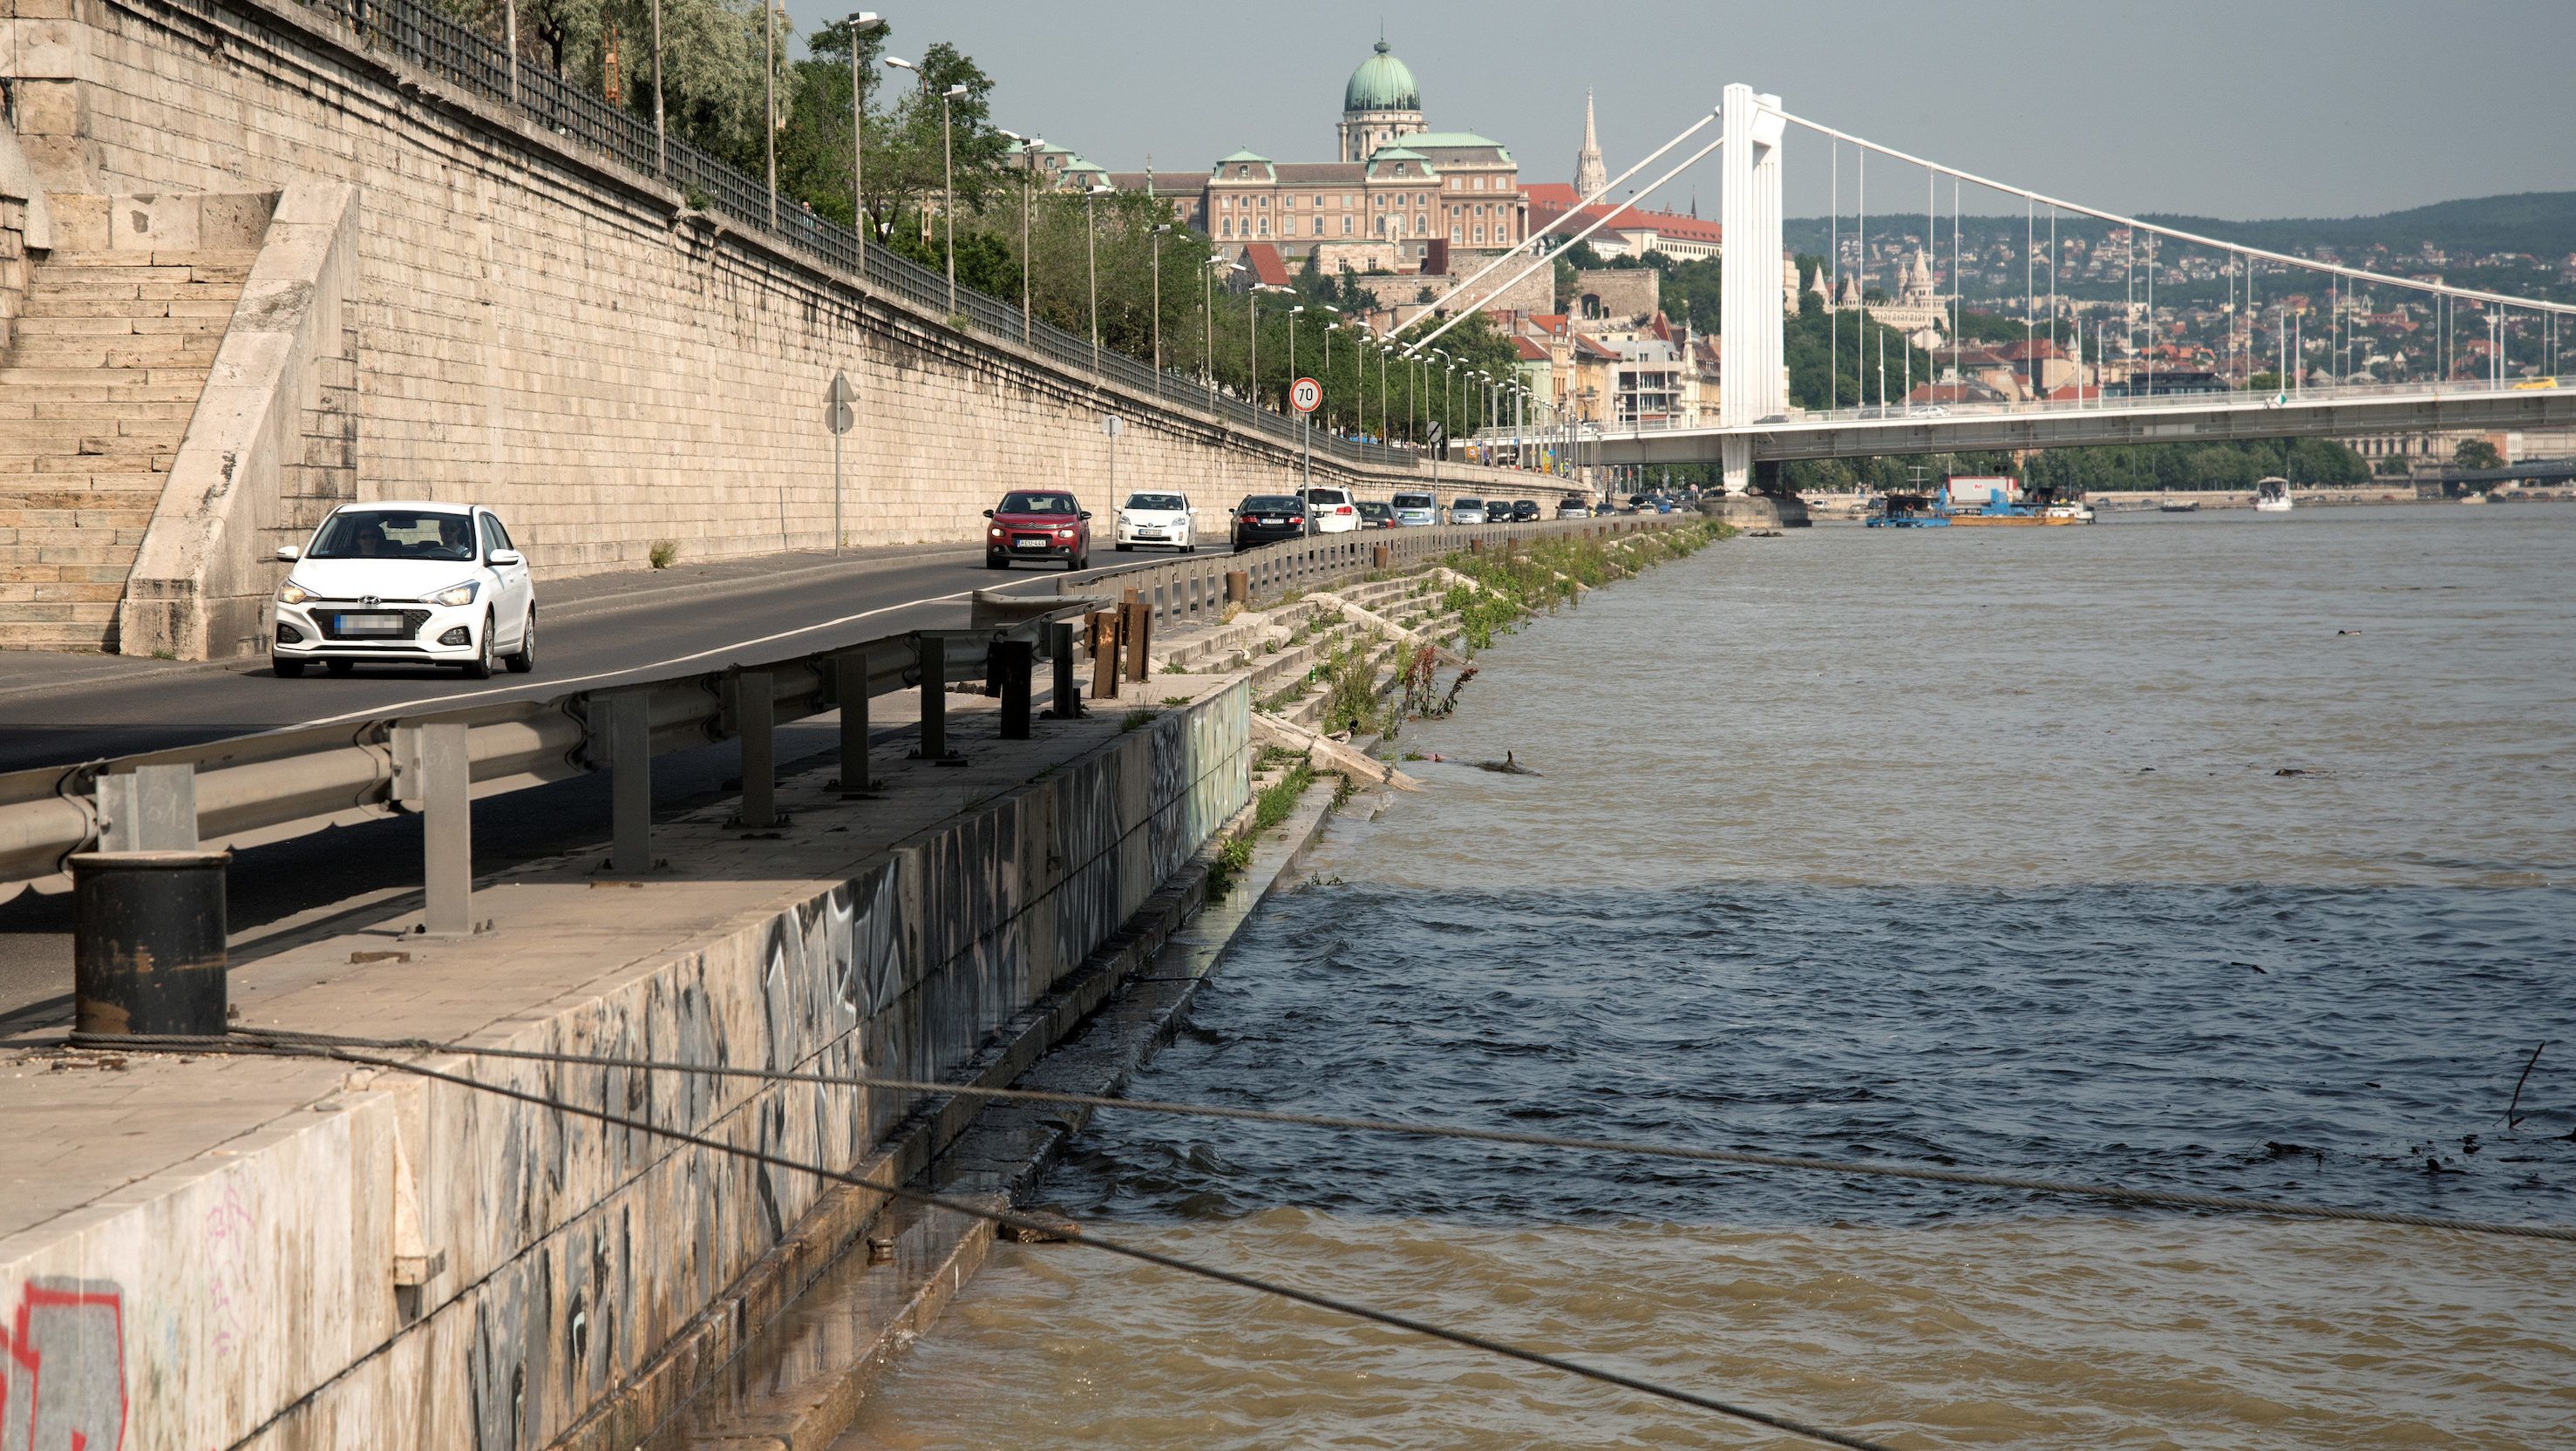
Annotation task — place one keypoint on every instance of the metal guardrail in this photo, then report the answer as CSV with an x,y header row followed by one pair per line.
x,y
420,35
265,787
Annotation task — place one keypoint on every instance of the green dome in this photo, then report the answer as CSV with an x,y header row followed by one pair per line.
x,y
1382,83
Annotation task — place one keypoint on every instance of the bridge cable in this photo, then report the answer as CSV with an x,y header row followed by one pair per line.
x,y
281,1045
262,1039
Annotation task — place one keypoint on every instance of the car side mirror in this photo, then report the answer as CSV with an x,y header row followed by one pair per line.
x,y
508,556
988,513
1086,513
288,554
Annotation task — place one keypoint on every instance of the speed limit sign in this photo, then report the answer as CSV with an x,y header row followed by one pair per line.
x,y
1306,395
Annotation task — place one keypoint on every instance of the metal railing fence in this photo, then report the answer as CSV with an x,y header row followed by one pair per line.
x,y
419,35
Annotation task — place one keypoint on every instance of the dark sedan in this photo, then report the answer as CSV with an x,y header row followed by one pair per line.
x,y
1525,511
1374,515
1267,519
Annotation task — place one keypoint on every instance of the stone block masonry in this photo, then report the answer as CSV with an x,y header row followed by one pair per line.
x,y
542,330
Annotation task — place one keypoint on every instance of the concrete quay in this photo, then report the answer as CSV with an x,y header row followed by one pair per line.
x,y
254,1252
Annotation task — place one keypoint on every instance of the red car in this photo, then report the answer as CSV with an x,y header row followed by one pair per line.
x,y
1047,524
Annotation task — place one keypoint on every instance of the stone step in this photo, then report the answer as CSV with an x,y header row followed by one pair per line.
x,y
113,352
116,429
136,457
97,415
97,514
14,597
127,258
76,546
145,286
121,325
64,573
97,634
77,383
83,495
60,612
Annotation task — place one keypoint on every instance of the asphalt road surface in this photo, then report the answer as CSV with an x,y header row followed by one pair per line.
x,y
279,893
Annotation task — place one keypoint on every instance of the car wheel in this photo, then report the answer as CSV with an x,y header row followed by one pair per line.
x,y
480,667
524,659
285,669
1124,546
996,561
338,667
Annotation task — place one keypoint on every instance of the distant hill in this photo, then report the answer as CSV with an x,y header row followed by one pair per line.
x,y
2539,222
2542,223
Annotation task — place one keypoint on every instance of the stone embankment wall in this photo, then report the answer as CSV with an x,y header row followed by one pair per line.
x,y
543,330
404,1263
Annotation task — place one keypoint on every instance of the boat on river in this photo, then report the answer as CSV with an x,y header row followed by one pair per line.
x,y
1991,503
1906,511
2272,496
2168,505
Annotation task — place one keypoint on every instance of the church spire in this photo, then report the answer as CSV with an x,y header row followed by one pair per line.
x,y
1589,174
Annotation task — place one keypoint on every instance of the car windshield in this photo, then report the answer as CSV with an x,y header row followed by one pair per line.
x,y
1269,504
1157,501
395,534
1020,501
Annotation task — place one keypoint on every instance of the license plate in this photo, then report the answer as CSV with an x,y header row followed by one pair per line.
x,y
1031,543
1149,533
371,624
1268,519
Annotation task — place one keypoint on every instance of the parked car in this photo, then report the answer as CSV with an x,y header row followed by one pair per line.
x,y
1416,509
1267,519
1165,521
1572,507
1524,511
1334,511
1374,515
413,584
1041,524
1463,510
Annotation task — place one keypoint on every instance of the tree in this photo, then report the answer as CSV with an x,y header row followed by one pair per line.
x,y
711,51
2475,454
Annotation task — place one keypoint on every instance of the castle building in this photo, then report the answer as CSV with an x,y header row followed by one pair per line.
x,y
1398,197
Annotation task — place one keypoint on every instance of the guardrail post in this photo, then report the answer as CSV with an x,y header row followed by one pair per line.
x,y
755,725
434,774
1140,634
850,691
1068,692
1018,661
150,808
148,943
1104,653
630,764
934,703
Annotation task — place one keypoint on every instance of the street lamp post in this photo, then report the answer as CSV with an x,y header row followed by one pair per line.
x,y
1154,239
769,100
1091,254
1028,167
860,24
1292,341
948,191
661,136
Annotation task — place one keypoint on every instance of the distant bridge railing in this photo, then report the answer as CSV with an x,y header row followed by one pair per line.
x,y
422,36
2033,408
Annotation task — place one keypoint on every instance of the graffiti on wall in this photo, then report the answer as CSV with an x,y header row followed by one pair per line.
x,y
62,1367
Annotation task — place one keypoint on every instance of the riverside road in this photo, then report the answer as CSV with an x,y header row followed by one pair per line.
x,y
62,710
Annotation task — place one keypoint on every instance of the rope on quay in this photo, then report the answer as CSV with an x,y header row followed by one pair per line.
x,y
282,1045
1889,1169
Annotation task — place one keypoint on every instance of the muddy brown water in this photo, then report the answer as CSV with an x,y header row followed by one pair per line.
x,y
1963,847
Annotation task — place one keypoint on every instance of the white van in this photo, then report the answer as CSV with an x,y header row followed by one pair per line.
x,y
1333,510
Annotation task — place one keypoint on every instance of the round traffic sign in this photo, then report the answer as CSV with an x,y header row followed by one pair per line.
x,y
1306,395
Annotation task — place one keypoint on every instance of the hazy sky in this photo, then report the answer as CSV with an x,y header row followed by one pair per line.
x,y
2233,108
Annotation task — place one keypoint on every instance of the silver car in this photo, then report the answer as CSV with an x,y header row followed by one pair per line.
x,y
1415,510
1466,511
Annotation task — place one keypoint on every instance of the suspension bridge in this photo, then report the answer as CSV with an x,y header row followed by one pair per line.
x,y
1756,425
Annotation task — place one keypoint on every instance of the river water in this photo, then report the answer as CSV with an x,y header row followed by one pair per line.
x,y
1961,846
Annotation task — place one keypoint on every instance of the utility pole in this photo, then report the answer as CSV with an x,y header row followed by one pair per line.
x,y
860,24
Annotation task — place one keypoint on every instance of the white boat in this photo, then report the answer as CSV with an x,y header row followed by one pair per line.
x,y
2272,496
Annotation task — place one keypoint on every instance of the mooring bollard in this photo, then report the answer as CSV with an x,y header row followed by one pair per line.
x,y
1068,691
1104,654
1140,640
1377,556
148,944
850,690
1238,587
630,787
934,702
1018,659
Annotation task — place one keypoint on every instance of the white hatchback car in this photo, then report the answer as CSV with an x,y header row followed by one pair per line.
x,y
405,583
1165,521
1333,510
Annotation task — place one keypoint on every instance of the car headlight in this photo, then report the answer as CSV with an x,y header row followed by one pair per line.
x,y
462,594
292,593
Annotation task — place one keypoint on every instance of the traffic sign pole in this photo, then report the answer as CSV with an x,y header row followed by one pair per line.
x,y
838,415
1306,395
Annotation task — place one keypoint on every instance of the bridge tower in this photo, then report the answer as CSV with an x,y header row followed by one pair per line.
x,y
1753,368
